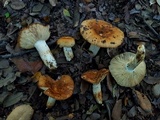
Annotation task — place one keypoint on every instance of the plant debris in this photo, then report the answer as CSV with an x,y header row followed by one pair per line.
x,y
137,19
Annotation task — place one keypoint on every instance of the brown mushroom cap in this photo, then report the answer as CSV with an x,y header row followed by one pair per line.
x,y
101,33
28,36
123,76
95,76
61,89
66,41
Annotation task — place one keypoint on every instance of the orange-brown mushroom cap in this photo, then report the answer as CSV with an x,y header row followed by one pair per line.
x,y
95,76
66,41
101,33
60,89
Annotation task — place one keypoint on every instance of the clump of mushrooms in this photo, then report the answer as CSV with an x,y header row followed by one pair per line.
x,y
66,43
101,34
95,77
59,89
128,69
35,35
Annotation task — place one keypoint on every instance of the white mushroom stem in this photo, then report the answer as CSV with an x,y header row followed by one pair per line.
x,y
94,49
140,55
97,92
68,53
50,102
45,54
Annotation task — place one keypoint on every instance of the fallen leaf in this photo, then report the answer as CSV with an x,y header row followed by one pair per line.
x,y
132,112
66,13
12,99
143,101
3,96
8,79
92,108
117,110
84,86
109,83
17,4
53,2
156,90
5,2
152,80
4,63
26,66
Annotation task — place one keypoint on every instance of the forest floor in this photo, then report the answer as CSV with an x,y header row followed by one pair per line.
x,y
138,19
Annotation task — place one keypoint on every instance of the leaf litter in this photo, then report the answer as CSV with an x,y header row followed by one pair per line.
x,y
138,19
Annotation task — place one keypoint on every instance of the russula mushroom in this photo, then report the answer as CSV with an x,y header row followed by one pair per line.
x,y
100,34
95,77
128,69
35,35
66,43
59,89
21,112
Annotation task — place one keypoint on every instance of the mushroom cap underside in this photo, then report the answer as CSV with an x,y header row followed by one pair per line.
x,y
101,33
28,36
66,41
21,112
122,75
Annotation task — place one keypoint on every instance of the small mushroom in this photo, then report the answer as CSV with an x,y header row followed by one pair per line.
x,y
66,43
22,112
59,89
101,34
35,35
128,69
95,77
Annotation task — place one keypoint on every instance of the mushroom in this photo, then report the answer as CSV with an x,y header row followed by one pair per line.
x,y
59,89
66,43
22,112
95,77
101,34
35,35
128,69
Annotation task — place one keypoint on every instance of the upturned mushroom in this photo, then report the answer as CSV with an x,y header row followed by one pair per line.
x,y
101,34
21,112
66,43
35,35
59,89
128,69
95,77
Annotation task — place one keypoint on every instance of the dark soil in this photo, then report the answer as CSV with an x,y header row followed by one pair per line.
x,y
138,19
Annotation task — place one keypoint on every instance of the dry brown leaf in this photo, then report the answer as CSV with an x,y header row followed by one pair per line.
x,y
109,83
84,86
143,101
117,110
26,66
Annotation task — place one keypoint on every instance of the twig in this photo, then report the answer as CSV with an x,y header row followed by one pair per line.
x,y
150,27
